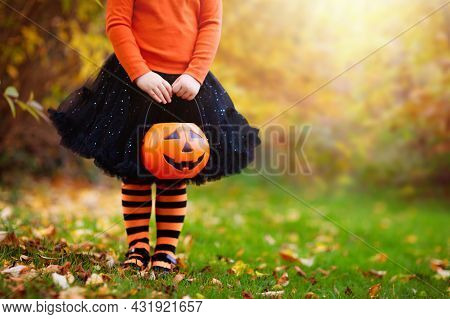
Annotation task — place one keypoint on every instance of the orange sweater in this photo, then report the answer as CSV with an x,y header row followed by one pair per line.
x,y
170,36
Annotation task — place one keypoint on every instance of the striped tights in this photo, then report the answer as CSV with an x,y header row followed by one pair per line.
x,y
170,209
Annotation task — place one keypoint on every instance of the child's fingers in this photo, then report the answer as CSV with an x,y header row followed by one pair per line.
x,y
160,95
181,91
168,87
154,96
176,87
186,95
165,93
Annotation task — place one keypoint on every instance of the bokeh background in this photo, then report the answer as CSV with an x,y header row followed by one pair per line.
x,y
379,139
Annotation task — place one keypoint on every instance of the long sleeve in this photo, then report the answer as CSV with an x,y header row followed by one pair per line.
x,y
119,14
208,39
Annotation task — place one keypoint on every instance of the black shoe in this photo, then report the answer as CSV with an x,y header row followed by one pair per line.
x,y
163,263
137,258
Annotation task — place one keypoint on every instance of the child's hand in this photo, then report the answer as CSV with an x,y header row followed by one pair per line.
x,y
186,87
155,86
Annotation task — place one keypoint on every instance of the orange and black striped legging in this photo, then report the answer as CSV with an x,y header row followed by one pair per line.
x,y
170,209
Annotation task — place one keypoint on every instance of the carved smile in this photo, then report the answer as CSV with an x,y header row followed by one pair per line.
x,y
184,164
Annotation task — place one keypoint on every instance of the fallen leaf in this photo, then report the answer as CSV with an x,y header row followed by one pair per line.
x,y
308,262
8,238
216,282
283,280
374,291
178,278
53,269
110,261
247,295
300,271
16,271
311,295
436,264
24,258
240,252
272,294
94,279
45,232
288,255
60,281
348,291
70,278
375,273
239,268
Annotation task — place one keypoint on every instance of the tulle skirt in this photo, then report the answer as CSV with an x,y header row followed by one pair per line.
x,y
106,120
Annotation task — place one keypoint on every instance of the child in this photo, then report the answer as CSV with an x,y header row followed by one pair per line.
x,y
163,52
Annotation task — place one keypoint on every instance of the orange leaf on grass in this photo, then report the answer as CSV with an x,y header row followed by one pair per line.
x,y
374,290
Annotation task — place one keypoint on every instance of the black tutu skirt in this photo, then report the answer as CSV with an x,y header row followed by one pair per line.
x,y
107,118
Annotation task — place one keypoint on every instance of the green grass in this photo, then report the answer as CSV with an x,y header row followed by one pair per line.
x,y
248,221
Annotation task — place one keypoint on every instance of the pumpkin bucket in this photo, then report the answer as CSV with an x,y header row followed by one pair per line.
x,y
175,150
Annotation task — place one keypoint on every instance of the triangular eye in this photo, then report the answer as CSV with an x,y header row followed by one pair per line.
x,y
173,136
194,135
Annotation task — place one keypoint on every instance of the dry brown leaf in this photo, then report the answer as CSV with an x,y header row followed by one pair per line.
x,y
311,295
283,280
8,238
16,271
375,273
41,233
216,282
24,258
94,279
288,255
247,295
178,278
348,291
436,264
300,271
374,290
110,261
53,269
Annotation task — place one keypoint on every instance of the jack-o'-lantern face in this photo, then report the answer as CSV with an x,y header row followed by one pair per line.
x,y
175,150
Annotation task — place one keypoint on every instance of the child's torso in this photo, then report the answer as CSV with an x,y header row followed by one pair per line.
x,y
166,30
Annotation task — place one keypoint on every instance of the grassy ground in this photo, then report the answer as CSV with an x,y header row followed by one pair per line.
x,y
243,237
